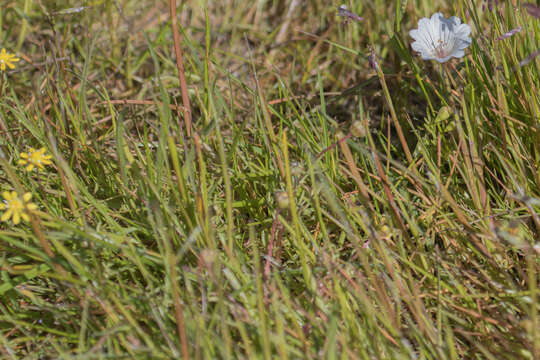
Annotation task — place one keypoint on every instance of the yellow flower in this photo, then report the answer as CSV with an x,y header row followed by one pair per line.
x,y
7,59
16,208
35,158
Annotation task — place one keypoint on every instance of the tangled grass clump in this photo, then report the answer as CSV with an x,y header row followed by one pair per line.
x,y
276,179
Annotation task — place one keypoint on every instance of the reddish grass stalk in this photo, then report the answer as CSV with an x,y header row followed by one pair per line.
x,y
142,102
179,311
178,308
180,67
271,245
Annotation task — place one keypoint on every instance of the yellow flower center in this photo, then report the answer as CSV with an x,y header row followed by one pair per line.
x,y
35,157
15,204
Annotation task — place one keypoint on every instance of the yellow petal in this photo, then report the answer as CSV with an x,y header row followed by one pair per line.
x,y
14,195
2,66
25,217
30,167
22,162
31,206
24,155
10,65
26,197
16,217
6,215
3,52
6,195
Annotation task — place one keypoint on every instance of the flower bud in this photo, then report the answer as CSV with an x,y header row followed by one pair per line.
x,y
296,168
358,129
282,200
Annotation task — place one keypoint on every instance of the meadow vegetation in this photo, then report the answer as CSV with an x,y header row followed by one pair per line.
x,y
328,193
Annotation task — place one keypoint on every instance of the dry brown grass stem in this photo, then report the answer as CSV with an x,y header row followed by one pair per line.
x,y
178,309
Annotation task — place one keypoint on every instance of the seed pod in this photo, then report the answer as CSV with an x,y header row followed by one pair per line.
x,y
358,129
282,200
296,168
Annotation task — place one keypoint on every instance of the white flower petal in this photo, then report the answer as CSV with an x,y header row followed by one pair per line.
x,y
447,24
462,45
437,16
458,54
419,46
435,27
444,59
424,24
463,31
455,20
422,42
415,34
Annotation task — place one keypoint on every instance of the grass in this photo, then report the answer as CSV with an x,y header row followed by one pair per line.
x,y
316,207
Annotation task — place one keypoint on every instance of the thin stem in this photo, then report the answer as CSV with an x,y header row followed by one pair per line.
x,y
180,67
24,27
395,120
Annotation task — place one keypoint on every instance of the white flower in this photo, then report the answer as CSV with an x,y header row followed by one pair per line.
x,y
441,39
